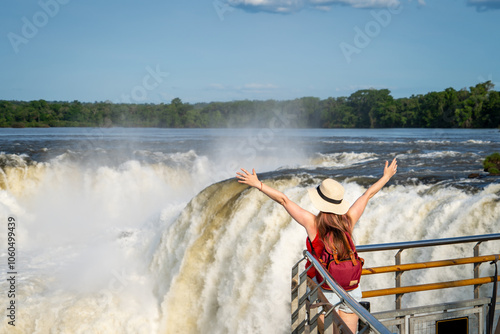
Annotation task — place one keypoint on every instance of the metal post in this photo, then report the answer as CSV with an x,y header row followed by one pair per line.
x,y
295,298
328,324
398,279
314,313
476,270
361,325
302,301
298,304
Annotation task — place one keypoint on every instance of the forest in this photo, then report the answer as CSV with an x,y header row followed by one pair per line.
x,y
475,107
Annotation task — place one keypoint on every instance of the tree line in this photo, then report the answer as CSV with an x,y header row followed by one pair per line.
x,y
476,107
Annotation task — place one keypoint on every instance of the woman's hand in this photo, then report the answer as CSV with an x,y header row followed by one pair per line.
x,y
303,217
390,170
356,210
250,179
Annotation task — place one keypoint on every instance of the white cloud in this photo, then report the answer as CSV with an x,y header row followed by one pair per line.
x,y
356,3
276,6
420,2
483,5
290,6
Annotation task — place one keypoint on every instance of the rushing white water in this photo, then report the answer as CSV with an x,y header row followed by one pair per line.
x,y
163,247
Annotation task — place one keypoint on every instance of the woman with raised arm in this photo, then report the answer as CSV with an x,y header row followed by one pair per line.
x,y
327,229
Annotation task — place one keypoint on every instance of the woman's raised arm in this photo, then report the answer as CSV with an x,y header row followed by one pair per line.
x,y
302,216
356,210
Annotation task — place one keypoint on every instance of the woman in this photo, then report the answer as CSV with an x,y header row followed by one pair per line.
x,y
335,218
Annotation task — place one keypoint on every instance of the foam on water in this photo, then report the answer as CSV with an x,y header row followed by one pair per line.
x,y
85,240
343,159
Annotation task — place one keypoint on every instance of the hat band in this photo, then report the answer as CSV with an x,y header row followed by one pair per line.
x,y
329,200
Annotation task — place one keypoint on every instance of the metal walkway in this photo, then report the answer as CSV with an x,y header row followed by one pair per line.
x,y
467,316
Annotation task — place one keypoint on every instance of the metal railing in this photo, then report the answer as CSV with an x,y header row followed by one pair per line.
x,y
304,319
303,322
399,291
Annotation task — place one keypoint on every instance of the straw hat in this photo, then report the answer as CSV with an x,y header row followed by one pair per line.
x,y
329,197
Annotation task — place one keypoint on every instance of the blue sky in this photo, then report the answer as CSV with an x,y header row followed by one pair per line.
x,y
152,51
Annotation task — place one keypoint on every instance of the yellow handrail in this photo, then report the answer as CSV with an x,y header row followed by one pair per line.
x,y
427,265
425,287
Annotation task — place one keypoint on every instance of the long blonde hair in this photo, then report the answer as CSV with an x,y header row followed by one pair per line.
x,y
331,228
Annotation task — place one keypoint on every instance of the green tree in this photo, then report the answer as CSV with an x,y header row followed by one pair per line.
x,y
491,110
368,105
